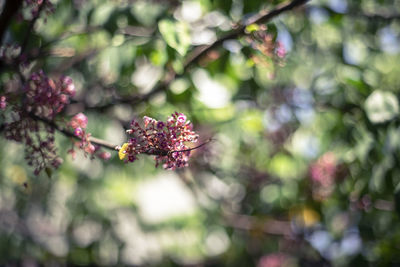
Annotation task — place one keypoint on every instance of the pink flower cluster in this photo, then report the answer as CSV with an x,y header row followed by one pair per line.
x,y
280,50
40,150
165,140
45,97
79,123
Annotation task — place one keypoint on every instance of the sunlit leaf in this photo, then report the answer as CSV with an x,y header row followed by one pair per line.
x,y
176,34
381,106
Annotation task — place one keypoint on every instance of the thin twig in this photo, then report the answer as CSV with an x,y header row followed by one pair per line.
x,y
104,143
70,62
250,223
94,140
193,148
261,17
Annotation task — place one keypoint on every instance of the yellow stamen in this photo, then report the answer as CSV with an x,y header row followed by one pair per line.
x,y
122,151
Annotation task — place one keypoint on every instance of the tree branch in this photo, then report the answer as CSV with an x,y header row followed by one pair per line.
x,y
193,148
250,223
31,25
70,62
94,140
262,17
104,143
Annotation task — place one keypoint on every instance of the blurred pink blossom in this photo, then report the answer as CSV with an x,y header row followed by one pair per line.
x,y
323,171
273,260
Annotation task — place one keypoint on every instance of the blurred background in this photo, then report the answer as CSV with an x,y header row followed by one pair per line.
x,y
303,112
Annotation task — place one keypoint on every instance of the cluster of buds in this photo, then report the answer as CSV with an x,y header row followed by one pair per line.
x,y
40,150
166,140
78,124
45,97
271,51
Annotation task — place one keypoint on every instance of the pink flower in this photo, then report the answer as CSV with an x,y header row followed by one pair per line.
x,y
64,99
181,119
90,149
78,132
79,123
148,120
170,120
280,50
68,85
3,103
79,120
160,125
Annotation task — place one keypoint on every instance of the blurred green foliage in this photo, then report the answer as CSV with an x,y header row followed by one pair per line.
x,y
305,166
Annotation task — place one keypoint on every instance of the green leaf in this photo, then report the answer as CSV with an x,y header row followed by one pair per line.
x,y
381,106
176,34
178,66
